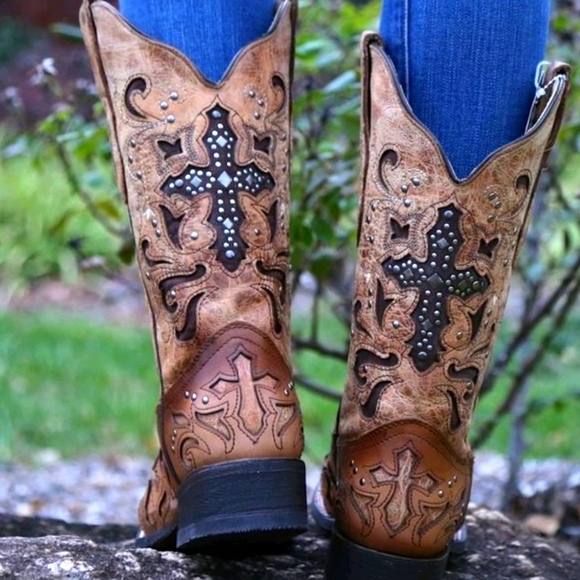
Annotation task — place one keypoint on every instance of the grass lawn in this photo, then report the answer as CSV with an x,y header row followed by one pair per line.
x,y
83,386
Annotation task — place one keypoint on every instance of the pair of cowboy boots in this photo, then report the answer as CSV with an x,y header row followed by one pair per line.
x,y
204,169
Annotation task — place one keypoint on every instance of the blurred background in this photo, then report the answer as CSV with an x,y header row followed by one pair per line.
x,y
77,377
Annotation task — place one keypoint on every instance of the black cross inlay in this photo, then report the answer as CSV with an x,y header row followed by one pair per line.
x,y
438,279
224,179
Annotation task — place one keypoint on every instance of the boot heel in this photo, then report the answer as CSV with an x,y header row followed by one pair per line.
x,y
350,561
246,501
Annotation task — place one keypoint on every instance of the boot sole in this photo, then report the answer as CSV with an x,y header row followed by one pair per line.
x,y
242,502
350,561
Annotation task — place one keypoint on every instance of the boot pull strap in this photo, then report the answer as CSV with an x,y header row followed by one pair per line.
x,y
92,44
552,81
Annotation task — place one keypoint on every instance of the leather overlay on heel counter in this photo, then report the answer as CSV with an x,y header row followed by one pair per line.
x,y
401,490
236,401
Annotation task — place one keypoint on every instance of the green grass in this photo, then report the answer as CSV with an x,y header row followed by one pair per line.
x,y
81,386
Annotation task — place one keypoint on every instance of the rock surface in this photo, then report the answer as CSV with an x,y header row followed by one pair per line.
x,y
42,549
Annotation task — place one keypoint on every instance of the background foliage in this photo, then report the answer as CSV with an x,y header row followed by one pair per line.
x,y
61,217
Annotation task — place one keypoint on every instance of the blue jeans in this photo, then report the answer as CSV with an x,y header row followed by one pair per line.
x,y
466,66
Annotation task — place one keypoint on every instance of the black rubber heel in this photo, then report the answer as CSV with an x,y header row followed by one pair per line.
x,y
247,501
350,561
163,539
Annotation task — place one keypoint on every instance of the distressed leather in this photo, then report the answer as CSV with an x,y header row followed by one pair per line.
x,y
204,171
435,256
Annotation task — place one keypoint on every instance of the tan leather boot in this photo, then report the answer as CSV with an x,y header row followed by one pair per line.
x,y
204,171
435,256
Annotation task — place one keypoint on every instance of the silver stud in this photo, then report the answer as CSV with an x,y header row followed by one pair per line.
x,y
257,231
363,481
154,223
286,392
158,233
194,397
396,324
261,102
404,188
139,174
205,400
194,235
459,335
174,96
173,294
163,105
230,254
130,158
374,205
171,119
147,275
407,203
257,114
251,94
352,462
416,181
450,484
186,394
355,470
441,493
490,218
455,478
133,143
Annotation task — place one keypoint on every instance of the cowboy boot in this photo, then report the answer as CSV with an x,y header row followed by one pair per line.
x,y
435,255
204,171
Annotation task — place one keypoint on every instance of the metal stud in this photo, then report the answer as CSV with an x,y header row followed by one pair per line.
x,y
186,394
286,392
257,114
173,294
416,181
174,96
139,174
163,105
251,94
171,119
396,324
407,203
441,493
261,102
194,235
205,400
257,231
404,188
491,218
158,233
194,397
363,481
450,484
133,143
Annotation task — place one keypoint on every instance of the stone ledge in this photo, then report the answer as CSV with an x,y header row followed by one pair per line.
x,y
41,549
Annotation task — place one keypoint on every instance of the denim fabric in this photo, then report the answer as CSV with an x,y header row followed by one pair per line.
x,y
467,68
209,32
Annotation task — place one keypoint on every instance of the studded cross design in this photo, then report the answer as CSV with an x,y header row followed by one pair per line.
x,y
224,179
437,280
249,409
404,481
